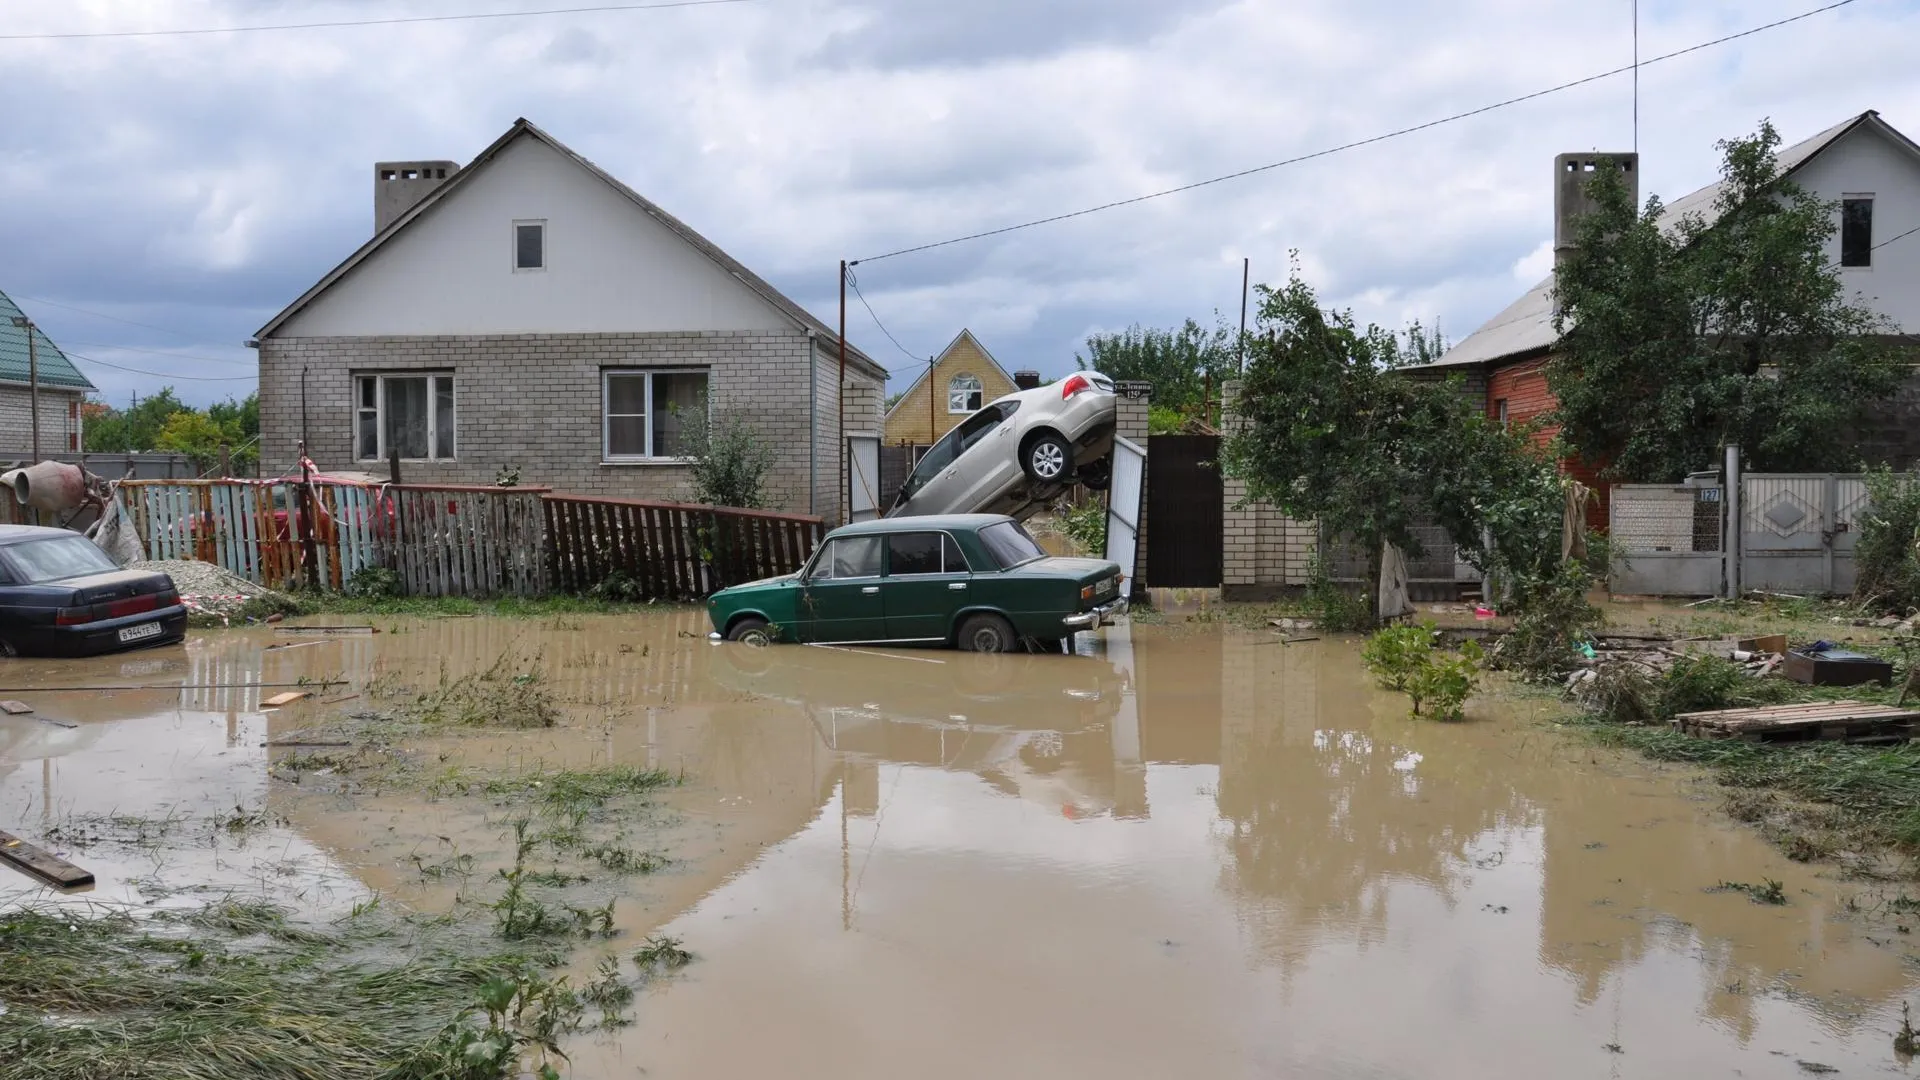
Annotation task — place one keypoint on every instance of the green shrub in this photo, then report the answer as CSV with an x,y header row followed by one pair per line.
x,y
619,587
1703,683
1404,658
1440,687
1552,616
1086,526
373,583
1334,607
1887,553
1396,653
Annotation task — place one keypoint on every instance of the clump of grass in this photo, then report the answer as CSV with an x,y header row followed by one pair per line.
x,y
1768,891
1906,1041
110,995
661,953
625,860
1865,798
510,693
519,916
583,789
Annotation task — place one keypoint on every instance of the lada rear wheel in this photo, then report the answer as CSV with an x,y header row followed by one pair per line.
x,y
986,634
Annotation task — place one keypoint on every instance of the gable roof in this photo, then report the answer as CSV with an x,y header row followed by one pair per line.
x,y
55,369
524,127
926,372
1525,327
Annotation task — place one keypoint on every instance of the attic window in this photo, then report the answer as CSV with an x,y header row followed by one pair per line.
x,y
1856,230
529,245
387,174
439,174
411,174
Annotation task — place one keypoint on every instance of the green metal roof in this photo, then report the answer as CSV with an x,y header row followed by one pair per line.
x,y
55,369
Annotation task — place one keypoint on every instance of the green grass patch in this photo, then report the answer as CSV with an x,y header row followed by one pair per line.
x,y
238,989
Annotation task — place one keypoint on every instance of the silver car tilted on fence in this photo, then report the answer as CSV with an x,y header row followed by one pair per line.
x,y
1019,451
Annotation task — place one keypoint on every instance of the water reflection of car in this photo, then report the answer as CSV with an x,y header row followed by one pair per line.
x,y
62,596
1035,727
977,581
1018,451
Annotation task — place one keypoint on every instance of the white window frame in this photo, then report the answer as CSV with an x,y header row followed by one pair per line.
x,y
379,410
513,247
979,387
607,375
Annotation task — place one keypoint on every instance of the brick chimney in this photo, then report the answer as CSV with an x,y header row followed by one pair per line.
x,y
1570,202
1026,380
398,185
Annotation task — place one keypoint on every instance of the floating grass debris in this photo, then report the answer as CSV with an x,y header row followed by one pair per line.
x,y
240,989
1768,891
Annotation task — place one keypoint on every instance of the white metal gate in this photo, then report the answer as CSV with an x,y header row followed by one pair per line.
x,y
1125,495
863,477
1797,531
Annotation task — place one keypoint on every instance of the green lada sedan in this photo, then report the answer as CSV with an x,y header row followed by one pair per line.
x,y
975,581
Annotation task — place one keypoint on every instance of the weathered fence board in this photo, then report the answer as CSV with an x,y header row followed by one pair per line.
x,y
671,551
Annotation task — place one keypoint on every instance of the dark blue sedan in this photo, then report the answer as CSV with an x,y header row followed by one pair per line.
x,y
61,596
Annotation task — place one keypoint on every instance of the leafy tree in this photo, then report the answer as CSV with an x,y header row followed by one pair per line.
x,y
134,429
163,422
196,435
730,460
1327,428
1176,362
1676,341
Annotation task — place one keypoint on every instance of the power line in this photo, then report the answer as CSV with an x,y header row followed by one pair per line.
x,y
465,17
102,315
1357,143
164,374
854,284
163,352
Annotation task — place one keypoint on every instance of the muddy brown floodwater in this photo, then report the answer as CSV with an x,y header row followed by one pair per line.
x,y
1183,852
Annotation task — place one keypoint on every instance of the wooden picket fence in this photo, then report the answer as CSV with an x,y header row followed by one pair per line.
x,y
671,551
460,540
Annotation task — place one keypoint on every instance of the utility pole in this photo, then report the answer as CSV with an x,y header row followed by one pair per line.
x,y
1246,276
840,399
33,380
932,421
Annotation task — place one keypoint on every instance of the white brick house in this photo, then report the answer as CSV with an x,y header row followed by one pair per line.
x,y
531,311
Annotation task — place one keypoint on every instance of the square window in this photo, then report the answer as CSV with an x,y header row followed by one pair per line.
x,y
529,245
648,415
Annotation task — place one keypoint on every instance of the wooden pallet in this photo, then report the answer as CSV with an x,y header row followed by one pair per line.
x,y
1849,721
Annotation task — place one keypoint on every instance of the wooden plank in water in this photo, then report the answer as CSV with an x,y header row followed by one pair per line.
x,y
15,708
287,698
44,865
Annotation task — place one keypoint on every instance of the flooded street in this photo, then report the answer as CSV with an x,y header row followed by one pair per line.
x,y
1185,851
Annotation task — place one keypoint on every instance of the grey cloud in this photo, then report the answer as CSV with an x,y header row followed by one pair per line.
x,y
915,33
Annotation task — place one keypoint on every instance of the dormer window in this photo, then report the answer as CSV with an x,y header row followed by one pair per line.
x,y
529,245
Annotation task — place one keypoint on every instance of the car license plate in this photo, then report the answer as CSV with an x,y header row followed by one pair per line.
x,y
1104,587
141,632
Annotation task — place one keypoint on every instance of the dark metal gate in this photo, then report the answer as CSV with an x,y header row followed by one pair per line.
x,y
1184,512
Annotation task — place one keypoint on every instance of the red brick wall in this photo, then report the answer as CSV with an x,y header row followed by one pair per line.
x,y
1522,386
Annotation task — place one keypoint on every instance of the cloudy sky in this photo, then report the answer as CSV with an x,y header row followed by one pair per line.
x,y
162,197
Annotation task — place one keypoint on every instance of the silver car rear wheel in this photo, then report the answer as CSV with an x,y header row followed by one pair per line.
x,y
1048,459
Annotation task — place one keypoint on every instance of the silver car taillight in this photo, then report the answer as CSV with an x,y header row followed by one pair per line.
x,y
1074,385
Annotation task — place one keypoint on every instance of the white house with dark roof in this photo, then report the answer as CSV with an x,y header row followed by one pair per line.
x,y
530,311
62,390
1867,168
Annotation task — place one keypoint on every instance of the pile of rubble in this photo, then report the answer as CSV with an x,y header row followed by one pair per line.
x,y
210,591
1654,654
